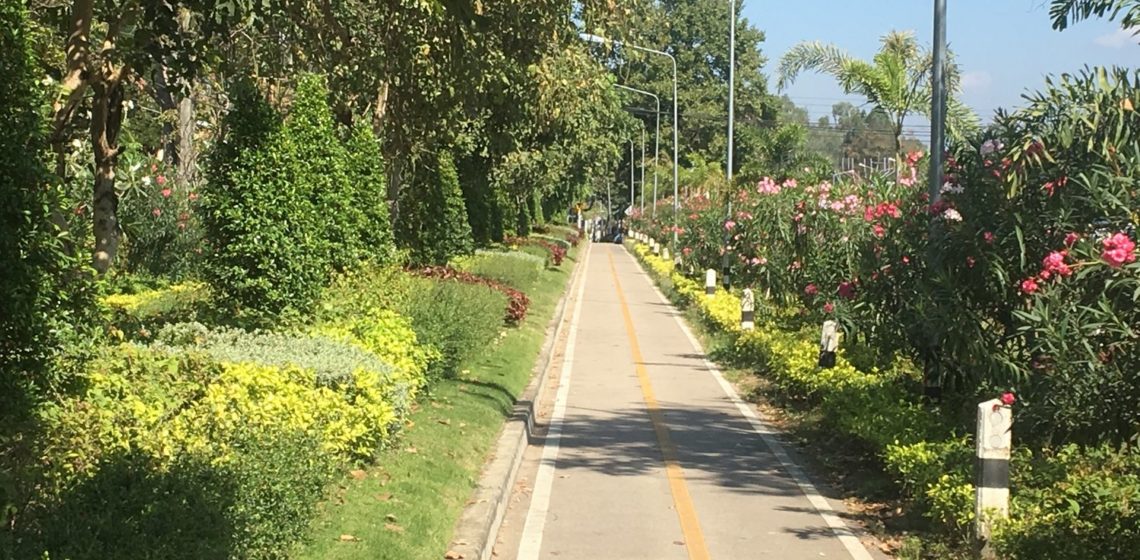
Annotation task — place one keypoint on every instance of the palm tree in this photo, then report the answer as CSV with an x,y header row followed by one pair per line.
x,y
896,81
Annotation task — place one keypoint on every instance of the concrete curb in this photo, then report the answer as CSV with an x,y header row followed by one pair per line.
x,y
478,527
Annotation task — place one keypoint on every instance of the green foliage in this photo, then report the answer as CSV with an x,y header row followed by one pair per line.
x,y
254,505
458,319
365,172
320,170
1074,503
516,269
433,222
268,255
289,204
45,294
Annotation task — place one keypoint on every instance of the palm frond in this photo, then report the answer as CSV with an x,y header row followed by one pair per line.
x,y
814,55
1068,12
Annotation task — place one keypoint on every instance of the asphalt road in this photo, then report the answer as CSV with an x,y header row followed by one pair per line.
x,y
648,453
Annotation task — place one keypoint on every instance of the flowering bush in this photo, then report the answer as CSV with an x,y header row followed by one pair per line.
x,y
1022,274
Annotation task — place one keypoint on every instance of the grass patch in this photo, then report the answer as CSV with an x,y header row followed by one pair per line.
x,y
406,506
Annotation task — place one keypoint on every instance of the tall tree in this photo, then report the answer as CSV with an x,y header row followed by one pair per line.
x,y
696,33
106,45
896,81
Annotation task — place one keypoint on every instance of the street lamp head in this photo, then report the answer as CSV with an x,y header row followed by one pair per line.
x,y
591,38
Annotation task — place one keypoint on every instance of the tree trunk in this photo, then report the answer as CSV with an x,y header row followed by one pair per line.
x,y
187,153
164,97
106,122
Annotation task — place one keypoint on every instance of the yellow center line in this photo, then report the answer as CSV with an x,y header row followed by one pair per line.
x,y
682,501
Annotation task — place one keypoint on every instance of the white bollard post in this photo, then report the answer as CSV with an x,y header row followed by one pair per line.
x,y
665,253
828,344
710,282
656,247
994,443
747,310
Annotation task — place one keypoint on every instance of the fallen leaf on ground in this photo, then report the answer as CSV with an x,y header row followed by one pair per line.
x,y
412,450
444,421
358,474
348,538
393,527
452,555
384,497
390,517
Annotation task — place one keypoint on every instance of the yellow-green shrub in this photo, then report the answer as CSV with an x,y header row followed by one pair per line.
x,y
150,309
389,336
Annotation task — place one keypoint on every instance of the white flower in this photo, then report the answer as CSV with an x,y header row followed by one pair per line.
x,y
951,188
991,146
146,181
77,143
951,215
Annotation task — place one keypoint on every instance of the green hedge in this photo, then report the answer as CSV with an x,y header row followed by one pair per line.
x,y
432,222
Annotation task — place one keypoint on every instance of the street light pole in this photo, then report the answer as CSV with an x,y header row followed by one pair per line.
x,y
643,171
631,174
676,125
656,143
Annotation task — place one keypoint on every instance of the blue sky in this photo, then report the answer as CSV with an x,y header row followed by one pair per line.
x,y
1004,47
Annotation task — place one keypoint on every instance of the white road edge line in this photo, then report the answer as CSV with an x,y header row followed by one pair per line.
x,y
850,541
531,542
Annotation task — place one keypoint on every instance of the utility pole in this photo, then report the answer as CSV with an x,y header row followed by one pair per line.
x,y
932,369
731,117
938,101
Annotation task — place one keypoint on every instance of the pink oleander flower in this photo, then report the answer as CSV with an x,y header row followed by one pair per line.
x,y
811,290
687,251
1008,398
192,196
1029,286
754,261
1052,186
951,215
160,180
1054,263
828,308
1119,250
1072,238
166,193
905,259
971,261
879,230
988,237
837,206
790,184
729,225
768,186
846,290
157,212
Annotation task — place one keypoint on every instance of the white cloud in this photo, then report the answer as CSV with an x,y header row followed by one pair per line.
x,y
1119,39
976,81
